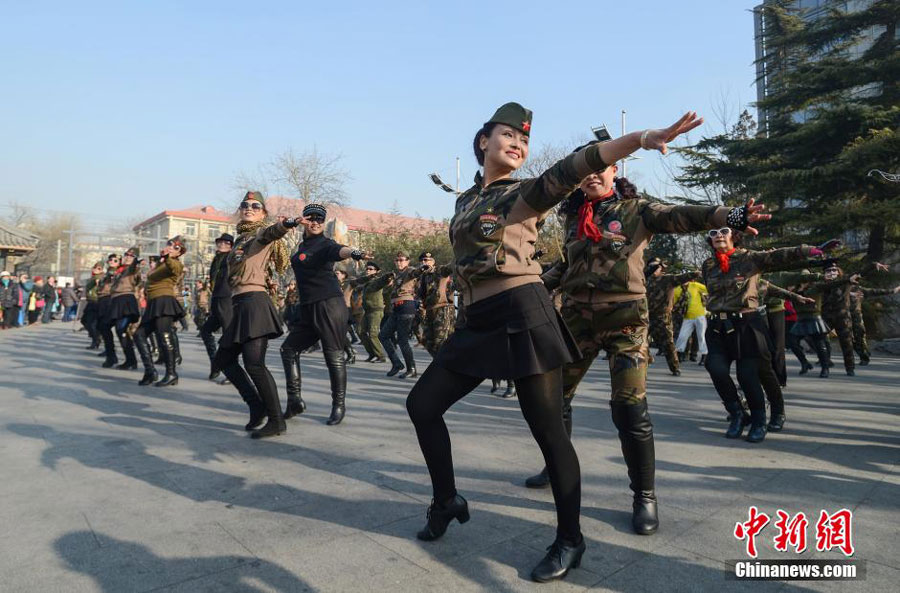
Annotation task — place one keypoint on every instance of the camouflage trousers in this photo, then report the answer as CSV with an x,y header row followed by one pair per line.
x,y
661,331
860,344
371,325
621,330
841,324
437,327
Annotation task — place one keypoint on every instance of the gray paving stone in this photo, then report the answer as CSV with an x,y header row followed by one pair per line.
x,y
106,486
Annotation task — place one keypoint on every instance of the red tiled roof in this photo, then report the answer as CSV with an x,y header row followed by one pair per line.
x,y
358,219
199,212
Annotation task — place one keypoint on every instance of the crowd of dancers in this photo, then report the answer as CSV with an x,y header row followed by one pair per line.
x,y
496,312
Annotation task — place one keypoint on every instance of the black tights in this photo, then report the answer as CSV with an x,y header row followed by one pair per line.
x,y
256,382
540,398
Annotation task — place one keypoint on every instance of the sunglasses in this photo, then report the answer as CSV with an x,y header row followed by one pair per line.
x,y
716,232
251,205
316,218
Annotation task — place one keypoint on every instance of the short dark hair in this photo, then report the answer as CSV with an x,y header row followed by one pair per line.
x,y
485,130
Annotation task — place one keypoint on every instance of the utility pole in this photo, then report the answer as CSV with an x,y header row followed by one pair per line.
x,y
58,255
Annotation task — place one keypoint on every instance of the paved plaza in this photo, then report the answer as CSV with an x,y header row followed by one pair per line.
x,y
109,487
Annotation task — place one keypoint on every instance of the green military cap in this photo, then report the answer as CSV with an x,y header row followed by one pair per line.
x,y
514,115
133,251
402,254
255,195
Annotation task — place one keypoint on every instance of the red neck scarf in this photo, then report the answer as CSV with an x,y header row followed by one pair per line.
x,y
723,258
586,226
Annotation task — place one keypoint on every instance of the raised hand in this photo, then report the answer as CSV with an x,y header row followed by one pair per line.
x,y
830,245
753,215
657,139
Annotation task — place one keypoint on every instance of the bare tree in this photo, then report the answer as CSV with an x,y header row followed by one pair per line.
x,y
314,177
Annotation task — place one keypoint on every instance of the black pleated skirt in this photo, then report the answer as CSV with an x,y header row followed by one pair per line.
x,y
124,306
253,316
510,335
164,306
810,327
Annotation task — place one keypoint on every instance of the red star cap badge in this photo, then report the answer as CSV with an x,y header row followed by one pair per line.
x,y
526,126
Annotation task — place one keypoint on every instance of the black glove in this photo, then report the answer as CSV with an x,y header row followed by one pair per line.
x,y
357,254
737,218
290,223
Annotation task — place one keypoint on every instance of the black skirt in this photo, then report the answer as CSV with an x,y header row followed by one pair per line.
x,y
164,306
510,335
124,307
253,316
810,327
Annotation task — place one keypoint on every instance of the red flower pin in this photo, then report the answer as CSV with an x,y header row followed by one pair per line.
x,y
526,126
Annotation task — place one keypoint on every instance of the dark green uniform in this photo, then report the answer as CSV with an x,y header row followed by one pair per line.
x,y
660,291
373,307
436,296
836,313
860,343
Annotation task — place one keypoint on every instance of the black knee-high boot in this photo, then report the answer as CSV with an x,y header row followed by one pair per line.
x,y
176,346
290,358
167,346
337,374
109,347
128,348
636,436
238,377
542,479
143,348
822,351
209,341
350,354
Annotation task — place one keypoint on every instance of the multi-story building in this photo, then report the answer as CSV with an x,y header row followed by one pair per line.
x,y
200,225
768,69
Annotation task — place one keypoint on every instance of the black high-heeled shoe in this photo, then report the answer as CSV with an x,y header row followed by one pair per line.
x,y
439,517
561,557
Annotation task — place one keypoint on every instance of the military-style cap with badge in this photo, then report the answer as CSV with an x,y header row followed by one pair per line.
x,y
225,237
402,254
425,255
514,115
255,195
133,251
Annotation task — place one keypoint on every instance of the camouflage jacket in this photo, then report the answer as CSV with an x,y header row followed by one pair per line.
x,y
661,291
736,290
858,292
436,288
613,271
836,296
405,282
494,228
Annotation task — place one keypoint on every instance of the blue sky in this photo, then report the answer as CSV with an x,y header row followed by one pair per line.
x,y
127,108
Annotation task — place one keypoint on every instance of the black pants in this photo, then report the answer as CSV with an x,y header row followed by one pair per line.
x,y
325,320
395,332
540,398
89,321
11,317
220,313
777,333
745,346
768,376
256,382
